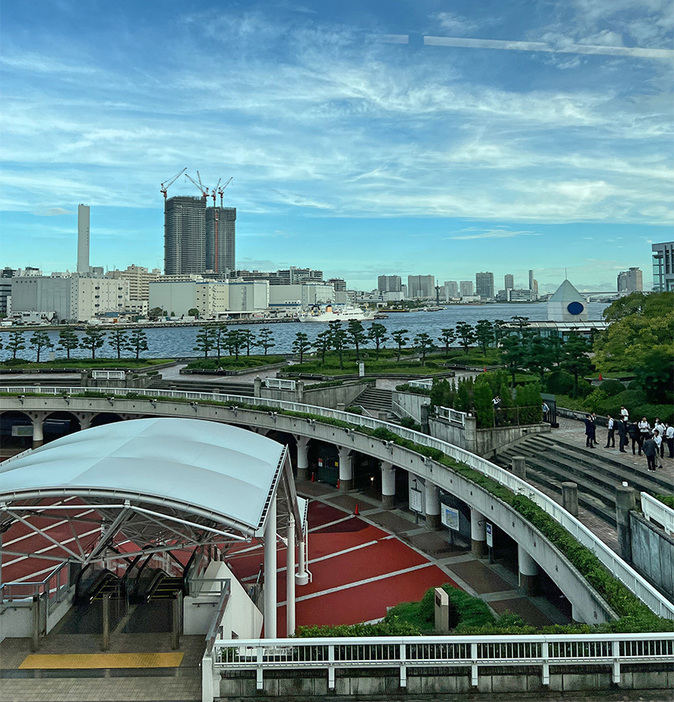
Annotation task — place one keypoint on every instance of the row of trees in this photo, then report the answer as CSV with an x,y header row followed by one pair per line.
x,y
93,339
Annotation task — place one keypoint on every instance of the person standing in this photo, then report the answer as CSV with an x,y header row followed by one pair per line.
x,y
669,437
650,450
622,435
644,432
593,426
658,446
624,414
657,424
633,433
588,431
610,438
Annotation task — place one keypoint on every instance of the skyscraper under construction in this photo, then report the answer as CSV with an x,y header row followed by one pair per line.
x,y
198,238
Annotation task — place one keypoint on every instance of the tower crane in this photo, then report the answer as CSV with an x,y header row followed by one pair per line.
x,y
215,190
167,184
202,189
221,189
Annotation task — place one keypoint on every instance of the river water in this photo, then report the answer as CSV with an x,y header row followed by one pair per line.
x,y
172,342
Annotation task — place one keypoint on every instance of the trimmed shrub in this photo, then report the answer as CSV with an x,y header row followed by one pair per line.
x,y
611,387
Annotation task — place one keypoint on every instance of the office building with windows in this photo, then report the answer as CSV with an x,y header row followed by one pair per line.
x,y
466,288
184,235
420,286
663,266
630,281
389,283
220,239
484,285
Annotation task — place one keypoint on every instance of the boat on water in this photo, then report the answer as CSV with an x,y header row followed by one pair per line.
x,y
328,313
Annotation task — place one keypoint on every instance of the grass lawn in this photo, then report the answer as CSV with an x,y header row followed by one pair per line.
x,y
232,363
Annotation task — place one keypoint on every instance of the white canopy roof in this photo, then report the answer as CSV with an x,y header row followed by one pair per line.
x,y
199,466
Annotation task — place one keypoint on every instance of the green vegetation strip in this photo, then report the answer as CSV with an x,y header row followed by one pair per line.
x,y
634,615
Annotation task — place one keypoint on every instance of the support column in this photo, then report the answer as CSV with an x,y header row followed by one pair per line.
x,y
302,457
478,533
519,467
302,576
570,498
345,469
38,430
290,578
432,505
257,387
270,572
388,485
84,420
528,570
625,500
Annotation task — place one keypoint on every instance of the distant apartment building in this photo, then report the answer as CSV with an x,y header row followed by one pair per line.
x,y
630,280
420,287
466,288
339,284
290,276
484,285
389,283
509,281
184,235
220,239
139,279
663,266
451,289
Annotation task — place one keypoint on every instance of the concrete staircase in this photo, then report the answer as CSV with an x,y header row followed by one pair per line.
x,y
375,401
551,462
211,386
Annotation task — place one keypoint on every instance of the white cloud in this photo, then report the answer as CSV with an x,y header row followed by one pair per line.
x,y
495,234
51,211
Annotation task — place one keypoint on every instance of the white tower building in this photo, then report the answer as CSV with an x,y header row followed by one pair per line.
x,y
567,305
83,239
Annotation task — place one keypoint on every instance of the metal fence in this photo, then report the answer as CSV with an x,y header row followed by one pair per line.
x,y
451,415
53,590
615,565
656,511
433,652
425,384
280,384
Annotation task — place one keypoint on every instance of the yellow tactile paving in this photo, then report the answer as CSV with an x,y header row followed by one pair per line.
x,y
74,661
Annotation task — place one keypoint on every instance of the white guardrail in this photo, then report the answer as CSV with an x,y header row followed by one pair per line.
x,y
427,652
655,511
279,384
452,415
616,566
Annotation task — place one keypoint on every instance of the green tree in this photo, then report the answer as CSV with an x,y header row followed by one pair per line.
x,y
521,324
248,338
640,339
205,340
466,334
400,339
377,334
193,312
324,343
16,342
235,340
500,330
92,340
119,340
301,345
356,334
484,334
423,344
447,336
68,341
138,341
265,339
219,332
156,312
512,354
538,356
338,338
575,359
40,340
484,405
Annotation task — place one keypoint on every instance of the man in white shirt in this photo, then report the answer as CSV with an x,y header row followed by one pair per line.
x,y
669,437
610,439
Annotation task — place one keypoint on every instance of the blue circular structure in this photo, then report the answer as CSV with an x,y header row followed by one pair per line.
x,y
575,307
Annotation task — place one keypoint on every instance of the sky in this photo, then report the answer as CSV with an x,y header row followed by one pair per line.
x,y
363,137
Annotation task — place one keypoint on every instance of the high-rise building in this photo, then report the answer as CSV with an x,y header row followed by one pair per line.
x,y
184,235
220,239
484,285
339,284
466,288
631,280
663,266
509,281
389,283
451,289
420,286
83,239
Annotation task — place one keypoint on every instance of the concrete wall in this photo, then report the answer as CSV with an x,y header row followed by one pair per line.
x,y
337,396
481,441
411,403
653,553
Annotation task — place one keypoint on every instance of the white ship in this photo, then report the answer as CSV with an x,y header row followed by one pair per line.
x,y
328,313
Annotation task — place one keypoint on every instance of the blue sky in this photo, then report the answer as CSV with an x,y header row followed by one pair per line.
x,y
364,138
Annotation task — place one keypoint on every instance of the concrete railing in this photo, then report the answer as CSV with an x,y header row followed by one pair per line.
x,y
428,652
279,384
615,565
654,510
452,415
425,384
108,374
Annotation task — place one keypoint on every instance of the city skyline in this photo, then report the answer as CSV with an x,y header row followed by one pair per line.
x,y
363,139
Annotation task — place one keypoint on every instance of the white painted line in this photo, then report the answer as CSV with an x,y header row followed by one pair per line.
x,y
329,524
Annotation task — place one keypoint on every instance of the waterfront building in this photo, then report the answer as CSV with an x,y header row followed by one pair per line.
x,y
6,290
630,281
451,290
520,296
184,235
294,298
466,288
663,266
420,287
389,283
83,215
509,281
484,285
339,284
139,279
567,305
220,239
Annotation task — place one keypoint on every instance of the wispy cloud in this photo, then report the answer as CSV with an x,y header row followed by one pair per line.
x,y
495,234
51,211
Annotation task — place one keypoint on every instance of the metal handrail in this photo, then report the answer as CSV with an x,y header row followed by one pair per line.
x,y
616,566
654,510
18,592
452,415
212,634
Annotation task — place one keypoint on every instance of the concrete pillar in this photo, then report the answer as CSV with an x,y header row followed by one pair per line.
x,y
432,506
471,433
519,467
290,578
85,420
257,387
345,469
299,391
528,570
270,572
38,433
388,485
478,533
302,576
575,616
625,500
302,458
570,498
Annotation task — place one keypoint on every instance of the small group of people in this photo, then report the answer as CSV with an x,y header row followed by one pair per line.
x,y
650,441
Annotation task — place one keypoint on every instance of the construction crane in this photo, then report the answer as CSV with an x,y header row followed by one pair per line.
x,y
166,185
215,190
203,190
221,189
